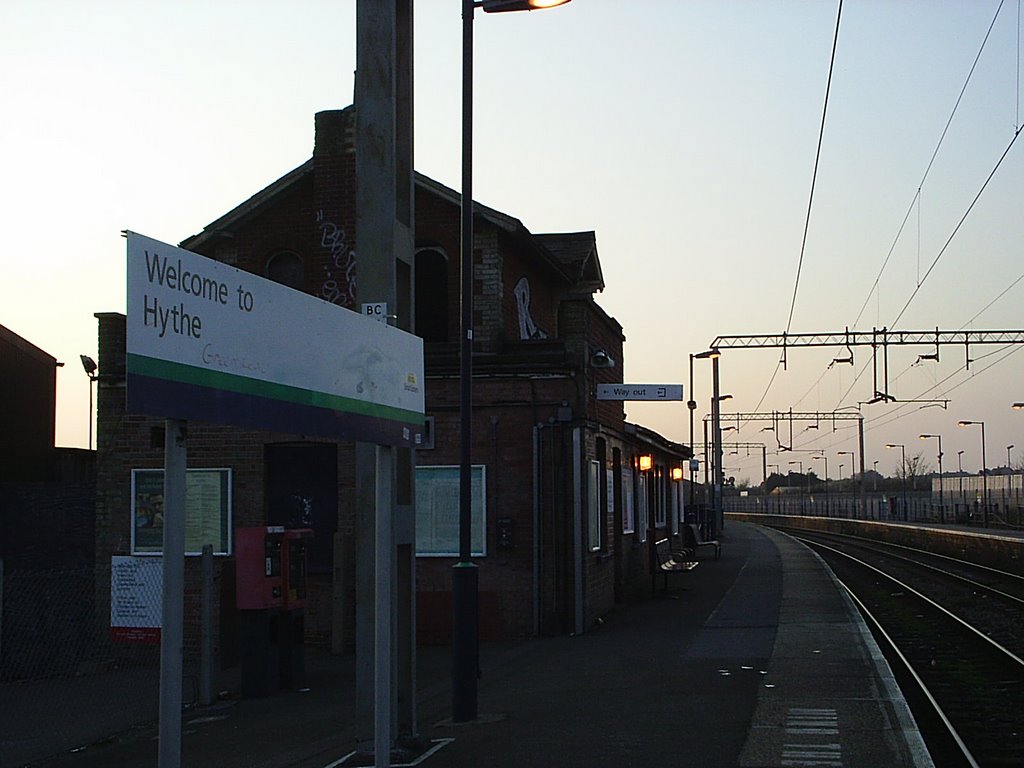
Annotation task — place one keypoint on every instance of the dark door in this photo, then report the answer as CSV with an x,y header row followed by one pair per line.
x,y
302,492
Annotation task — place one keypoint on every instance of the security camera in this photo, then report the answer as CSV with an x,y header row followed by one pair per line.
x,y
601,359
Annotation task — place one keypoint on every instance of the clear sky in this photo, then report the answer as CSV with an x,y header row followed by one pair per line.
x,y
682,132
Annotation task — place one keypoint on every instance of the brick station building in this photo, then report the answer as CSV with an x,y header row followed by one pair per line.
x,y
565,512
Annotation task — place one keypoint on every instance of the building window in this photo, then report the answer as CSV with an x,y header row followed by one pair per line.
x,y
628,519
285,267
431,295
594,516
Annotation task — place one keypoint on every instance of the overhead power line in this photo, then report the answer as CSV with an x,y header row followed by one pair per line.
x,y
814,175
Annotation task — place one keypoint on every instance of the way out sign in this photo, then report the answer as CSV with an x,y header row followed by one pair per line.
x,y
639,391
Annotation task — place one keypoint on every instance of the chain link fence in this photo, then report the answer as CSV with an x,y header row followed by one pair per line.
x,y
912,507
63,682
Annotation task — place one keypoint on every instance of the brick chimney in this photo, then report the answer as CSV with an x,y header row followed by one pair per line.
x,y
334,205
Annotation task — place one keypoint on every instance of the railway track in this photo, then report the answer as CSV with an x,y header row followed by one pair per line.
x,y
954,636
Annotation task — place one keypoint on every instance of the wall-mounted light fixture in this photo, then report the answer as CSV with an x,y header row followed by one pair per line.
x,y
677,473
601,359
645,461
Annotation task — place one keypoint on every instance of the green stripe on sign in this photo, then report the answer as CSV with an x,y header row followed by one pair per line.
x,y
229,382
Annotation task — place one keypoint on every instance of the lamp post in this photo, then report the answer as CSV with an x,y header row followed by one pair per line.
x,y
692,406
853,471
716,435
1006,488
942,508
903,451
960,474
90,370
465,578
828,506
984,469
778,470
802,487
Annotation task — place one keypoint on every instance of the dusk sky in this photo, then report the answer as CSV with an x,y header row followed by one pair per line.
x,y
684,132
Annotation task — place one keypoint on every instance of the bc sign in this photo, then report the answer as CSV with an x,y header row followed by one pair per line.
x,y
210,342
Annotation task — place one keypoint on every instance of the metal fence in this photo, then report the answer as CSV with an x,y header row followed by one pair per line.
x,y
911,507
63,683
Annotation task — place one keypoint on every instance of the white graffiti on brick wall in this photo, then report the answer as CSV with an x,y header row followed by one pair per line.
x,y
527,326
339,285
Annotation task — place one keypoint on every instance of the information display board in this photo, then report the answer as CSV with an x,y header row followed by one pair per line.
x,y
207,511
437,511
136,598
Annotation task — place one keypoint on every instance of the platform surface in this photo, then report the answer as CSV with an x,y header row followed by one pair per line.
x,y
757,660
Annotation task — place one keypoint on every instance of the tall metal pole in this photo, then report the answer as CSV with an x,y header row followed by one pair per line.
x,y
465,577
960,474
691,405
942,498
984,473
764,477
173,608
716,416
860,451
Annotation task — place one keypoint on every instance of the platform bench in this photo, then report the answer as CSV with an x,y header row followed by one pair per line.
x,y
665,562
695,541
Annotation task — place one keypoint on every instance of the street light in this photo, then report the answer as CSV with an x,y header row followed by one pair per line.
x,y
828,507
1017,406
465,579
692,406
853,474
984,467
90,370
802,487
960,474
942,512
903,451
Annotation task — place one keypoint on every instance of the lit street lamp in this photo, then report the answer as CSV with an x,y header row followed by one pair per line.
x,y
984,469
692,406
465,579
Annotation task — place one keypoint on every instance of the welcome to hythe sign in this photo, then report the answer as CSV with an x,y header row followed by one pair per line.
x,y
213,343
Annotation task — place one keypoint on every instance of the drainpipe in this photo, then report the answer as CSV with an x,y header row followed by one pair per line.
x,y
577,523
536,529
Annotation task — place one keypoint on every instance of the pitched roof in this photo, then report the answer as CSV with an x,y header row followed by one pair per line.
x,y
578,252
572,254
7,336
235,216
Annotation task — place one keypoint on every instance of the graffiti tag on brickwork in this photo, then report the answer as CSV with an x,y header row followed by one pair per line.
x,y
339,285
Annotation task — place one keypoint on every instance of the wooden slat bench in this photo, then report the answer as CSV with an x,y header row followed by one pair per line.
x,y
665,562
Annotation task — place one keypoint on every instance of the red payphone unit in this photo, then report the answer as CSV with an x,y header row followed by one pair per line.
x,y
259,567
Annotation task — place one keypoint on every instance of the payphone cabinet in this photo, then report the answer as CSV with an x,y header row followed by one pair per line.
x,y
295,548
259,567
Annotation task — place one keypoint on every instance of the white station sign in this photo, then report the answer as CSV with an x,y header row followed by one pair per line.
x,y
639,391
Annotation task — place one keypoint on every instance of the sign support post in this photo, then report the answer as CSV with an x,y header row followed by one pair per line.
x,y
172,624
